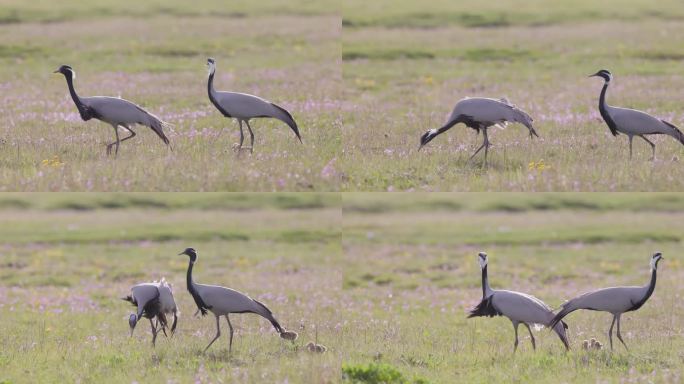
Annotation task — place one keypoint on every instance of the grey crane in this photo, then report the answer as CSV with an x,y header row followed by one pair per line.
x,y
114,111
153,300
245,107
517,307
480,113
632,122
222,301
614,300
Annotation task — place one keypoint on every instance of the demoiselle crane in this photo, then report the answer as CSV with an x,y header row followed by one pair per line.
x,y
632,122
245,107
480,113
517,307
222,301
614,300
114,111
153,300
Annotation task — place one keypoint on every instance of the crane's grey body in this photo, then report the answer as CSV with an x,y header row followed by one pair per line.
x,y
517,307
153,300
222,301
245,107
614,300
480,113
114,111
632,122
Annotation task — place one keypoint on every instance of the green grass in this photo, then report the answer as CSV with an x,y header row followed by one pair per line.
x,y
62,272
385,290
405,65
411,274
154,54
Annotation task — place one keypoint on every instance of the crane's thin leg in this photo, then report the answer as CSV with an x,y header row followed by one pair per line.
x,y
618,332
610,332
486,138
230,344
251,137
652,146
534,344
109,146
484,144
630,146
132,135
515,327
242,138
218,334
154,333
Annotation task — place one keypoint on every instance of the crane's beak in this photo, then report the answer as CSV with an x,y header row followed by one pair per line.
x,y
57,71
595,74
182,253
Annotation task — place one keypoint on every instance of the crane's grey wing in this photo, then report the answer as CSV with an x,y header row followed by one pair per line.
x,y
245,106
522,307
117,111
144,294
166,301
226,300
632,121
612,300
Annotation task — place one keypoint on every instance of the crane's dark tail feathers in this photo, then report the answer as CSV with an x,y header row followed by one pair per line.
x,y
266,313
158,128
484,308
432,133
560,330
129,298
677,133
175,321
287,118
567,308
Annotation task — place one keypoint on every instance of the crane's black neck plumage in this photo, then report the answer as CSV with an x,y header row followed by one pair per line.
x,y
193,291
485,282
649,292
604,110
212,95
82,110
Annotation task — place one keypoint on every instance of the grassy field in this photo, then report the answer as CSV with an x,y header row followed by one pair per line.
x,y
406,64
65,261
411,274
154,53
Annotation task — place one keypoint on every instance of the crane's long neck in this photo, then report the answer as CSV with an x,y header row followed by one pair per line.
x,y
190,282
649,291
603,109
651,284
486,290
74,96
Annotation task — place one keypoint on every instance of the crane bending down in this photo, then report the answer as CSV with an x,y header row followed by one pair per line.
x,y
153,300
222,301
480,113
614,300
518,307
244,107
114,111
632,122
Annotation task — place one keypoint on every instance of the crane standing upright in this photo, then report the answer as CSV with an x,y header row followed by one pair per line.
x,y
114,111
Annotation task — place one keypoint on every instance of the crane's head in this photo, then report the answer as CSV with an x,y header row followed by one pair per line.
x,y
605,74
132,321
190,252
427,137
66,71
655,259
211,65
482,258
